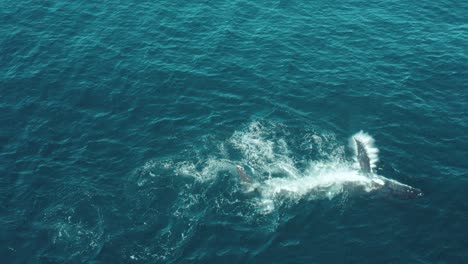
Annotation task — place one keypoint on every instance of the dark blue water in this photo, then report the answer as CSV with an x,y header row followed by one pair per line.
x,y
122,123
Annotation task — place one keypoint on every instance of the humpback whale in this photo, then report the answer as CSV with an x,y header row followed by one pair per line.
x,y
366,157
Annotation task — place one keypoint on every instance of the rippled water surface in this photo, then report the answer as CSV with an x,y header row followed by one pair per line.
x,y
122,123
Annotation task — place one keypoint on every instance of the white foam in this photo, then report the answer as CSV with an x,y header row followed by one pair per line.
x,y
255,148
204,171
263,151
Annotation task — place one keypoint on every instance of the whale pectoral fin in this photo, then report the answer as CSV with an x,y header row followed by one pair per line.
x,y
243,176
362,157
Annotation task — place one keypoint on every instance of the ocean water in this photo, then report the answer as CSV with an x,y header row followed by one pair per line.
x,y
122,123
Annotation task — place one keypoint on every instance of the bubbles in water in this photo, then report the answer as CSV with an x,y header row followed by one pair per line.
x,y
70,230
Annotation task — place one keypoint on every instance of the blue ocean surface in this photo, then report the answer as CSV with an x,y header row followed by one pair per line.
x,y
122,124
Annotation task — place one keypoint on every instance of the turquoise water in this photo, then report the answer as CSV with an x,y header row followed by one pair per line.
x,y
122,124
